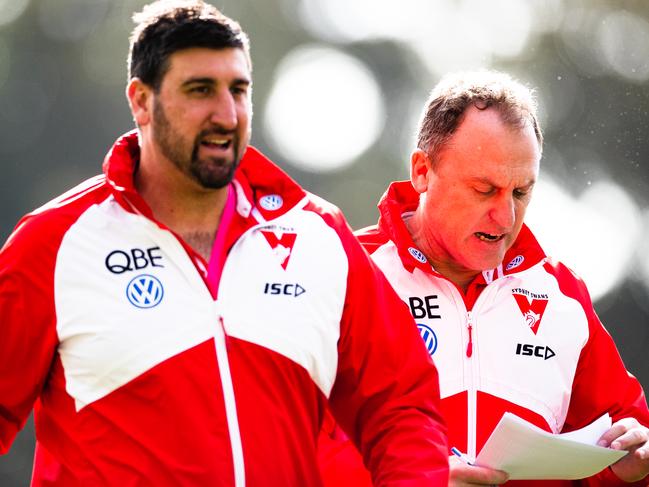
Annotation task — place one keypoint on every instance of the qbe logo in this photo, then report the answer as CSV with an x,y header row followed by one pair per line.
x,y
429,338
144,291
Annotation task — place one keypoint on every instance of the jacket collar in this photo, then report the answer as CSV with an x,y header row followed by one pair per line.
x,y
401,198
263,189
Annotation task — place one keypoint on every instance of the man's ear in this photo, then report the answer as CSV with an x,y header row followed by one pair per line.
x,y
420,168
140,99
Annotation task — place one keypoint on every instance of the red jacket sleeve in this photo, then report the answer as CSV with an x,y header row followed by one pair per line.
x,y
386,394
602,383
27,328
340,462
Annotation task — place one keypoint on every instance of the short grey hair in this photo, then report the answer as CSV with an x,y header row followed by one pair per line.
x,y
455,93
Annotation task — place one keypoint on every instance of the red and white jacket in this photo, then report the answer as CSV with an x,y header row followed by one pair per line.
x,y
524,338
141,376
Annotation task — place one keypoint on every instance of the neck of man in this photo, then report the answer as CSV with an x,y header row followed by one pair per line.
x,y
180,203
442,263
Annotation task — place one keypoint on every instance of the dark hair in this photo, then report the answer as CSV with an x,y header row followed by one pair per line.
x,y
166,26
452,96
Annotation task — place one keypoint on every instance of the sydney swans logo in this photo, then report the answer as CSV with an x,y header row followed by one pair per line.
x,y
282,245
532,307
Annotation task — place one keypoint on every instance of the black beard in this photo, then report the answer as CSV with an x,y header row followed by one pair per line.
x,y
211,173
216,172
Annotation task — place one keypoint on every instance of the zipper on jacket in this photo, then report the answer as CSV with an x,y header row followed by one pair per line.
x,y
472,422
229,400
469,327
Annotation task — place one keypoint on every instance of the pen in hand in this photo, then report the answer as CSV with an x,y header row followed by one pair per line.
x,y
475,475
461,456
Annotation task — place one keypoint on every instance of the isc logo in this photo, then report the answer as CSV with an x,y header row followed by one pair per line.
x,y
528,350
279,288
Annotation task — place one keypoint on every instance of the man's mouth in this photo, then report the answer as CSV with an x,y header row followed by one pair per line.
x,y
216,142
488,237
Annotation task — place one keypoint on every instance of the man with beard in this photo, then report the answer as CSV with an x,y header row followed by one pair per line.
x,y
185,318
509,328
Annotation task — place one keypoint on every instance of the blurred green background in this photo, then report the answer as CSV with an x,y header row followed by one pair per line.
x,y
338,89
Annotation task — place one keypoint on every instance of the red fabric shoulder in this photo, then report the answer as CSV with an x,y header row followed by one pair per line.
x,y
371,238
570,285
28,332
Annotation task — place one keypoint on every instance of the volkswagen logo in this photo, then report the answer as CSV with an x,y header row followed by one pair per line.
x,y
271,202
144,291
417,254
429,337
515,262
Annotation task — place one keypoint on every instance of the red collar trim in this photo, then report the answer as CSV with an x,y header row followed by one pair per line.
x,y
264,185
267,188
523,254
401,197
119,166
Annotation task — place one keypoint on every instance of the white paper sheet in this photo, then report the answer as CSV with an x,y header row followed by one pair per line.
x,y
525,451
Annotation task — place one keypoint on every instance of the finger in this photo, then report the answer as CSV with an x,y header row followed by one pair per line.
x,y
618,429
471,474
633,438
642,452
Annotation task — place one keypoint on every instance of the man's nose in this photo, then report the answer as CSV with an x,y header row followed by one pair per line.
x,y
224,112
503,211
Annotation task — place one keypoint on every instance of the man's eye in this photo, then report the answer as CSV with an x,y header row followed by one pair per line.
x,y
520,193
201,90
484,191
238,90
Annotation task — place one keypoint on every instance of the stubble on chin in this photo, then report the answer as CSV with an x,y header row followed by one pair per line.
x,y
215,173
211,173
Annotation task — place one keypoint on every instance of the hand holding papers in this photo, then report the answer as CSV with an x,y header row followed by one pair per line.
x,y
527,452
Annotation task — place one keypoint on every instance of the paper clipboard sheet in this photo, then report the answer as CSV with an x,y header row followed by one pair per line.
x,y
527,452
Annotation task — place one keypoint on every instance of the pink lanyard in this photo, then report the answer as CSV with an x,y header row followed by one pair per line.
x,y
217,257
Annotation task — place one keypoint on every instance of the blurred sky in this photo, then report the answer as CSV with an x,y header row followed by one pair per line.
x,y
338,89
